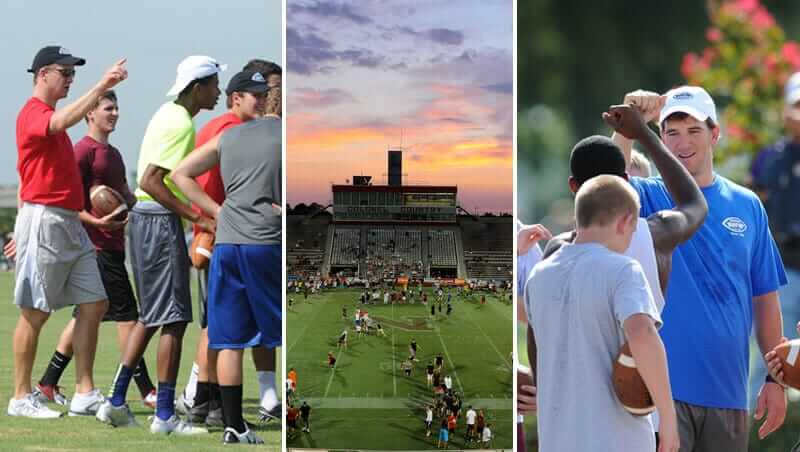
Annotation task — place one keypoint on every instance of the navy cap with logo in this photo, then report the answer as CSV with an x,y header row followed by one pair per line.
x,y
54,55
247,81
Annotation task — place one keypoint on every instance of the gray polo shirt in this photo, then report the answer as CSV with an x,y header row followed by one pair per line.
x,y
250,164
577,301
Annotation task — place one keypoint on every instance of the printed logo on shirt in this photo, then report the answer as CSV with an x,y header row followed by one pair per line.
x,y
735,225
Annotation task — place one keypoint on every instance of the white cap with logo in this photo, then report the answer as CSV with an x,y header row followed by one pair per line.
x,y
692,100
193,68
791,93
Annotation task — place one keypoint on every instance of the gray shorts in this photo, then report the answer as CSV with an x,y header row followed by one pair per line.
x,y
160,261
56,262
703,429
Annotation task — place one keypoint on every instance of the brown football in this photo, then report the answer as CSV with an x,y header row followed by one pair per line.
x,y
790,365
105,200
629,386
202,246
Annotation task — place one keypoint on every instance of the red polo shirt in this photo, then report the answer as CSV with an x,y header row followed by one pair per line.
x,y
46,165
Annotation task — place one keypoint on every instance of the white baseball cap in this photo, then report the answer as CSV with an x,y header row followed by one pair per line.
x,y
192,68
692,100
791,93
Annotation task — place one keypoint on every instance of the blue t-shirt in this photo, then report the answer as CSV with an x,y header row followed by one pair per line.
x,y
709,304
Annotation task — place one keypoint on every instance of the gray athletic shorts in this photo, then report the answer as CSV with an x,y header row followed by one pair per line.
x,y
704,429
56,262
160,261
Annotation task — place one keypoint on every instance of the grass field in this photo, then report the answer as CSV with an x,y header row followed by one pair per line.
x,y
780,441
366,402
78,434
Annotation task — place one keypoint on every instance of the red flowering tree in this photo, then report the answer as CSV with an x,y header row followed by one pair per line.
x,y
744,67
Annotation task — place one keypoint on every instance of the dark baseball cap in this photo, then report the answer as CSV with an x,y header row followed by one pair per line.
x,y
247,81
54,55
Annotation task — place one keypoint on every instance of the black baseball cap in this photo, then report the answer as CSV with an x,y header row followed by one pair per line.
x,y
54,55
247,81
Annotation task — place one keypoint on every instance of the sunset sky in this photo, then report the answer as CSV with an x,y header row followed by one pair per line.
x,y
439,72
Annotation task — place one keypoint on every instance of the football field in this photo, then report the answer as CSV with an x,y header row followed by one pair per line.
x,y
366,402
79,433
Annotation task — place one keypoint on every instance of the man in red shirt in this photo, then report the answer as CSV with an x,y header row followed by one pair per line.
x,y
56,263
246,97
100,163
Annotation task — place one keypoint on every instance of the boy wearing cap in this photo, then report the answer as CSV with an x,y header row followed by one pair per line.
x,y
159,256
244,289
246,97
723,280
56,264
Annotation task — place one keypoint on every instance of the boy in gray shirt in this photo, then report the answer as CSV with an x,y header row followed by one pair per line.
x,y
583,304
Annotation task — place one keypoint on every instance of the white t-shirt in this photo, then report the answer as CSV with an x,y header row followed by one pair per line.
x,y
471,415
429,415
448,382
487,435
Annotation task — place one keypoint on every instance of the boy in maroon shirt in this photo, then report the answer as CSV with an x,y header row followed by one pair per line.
x,y
100,163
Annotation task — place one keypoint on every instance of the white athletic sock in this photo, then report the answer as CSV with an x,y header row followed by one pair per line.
x,y
191,386
266,386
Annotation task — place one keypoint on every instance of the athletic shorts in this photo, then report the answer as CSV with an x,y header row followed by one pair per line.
x,y
121,302
160,261
56,262
722,429
428,424
443,435
244,296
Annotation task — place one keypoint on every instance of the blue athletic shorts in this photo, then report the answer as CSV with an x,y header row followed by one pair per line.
x,y
244,296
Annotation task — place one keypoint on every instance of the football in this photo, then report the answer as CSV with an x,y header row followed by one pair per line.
x,y
629,386
105,200
202,246
788,353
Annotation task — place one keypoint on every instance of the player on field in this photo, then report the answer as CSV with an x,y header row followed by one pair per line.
x,y
412,348
439,361
428,419
429,375
56,263
331,360
471,418
305,415
100,163
159,256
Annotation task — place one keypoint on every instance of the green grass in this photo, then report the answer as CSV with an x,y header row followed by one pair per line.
x,y
366,402
73,434
780,441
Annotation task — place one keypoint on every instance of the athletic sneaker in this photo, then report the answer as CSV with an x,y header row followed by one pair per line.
x,y
29,406
50,393
231,436
184,405
86,404
176,426
214,418
150,399
117,416
273,414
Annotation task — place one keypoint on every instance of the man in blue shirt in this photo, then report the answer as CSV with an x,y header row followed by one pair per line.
x,y
724,279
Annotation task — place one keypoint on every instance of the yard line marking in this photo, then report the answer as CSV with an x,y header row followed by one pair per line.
x,y
333,372
394,377
453,366
491,342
